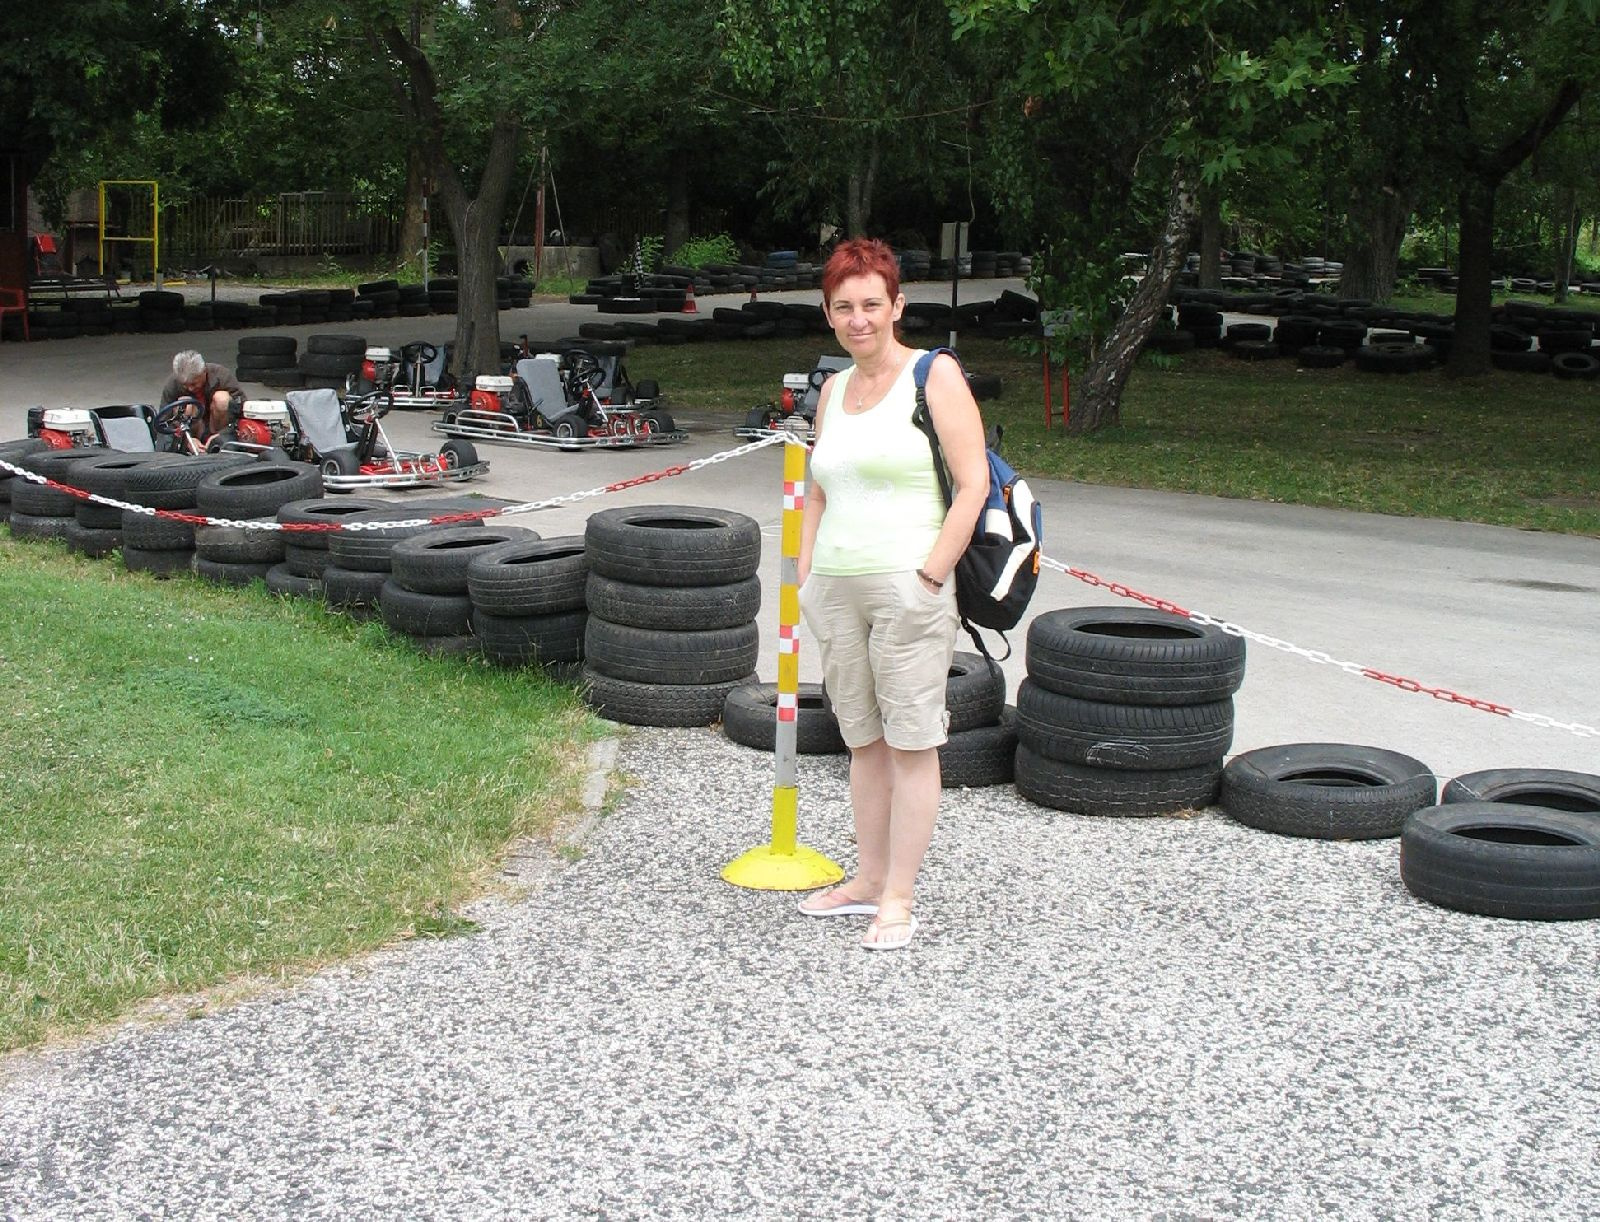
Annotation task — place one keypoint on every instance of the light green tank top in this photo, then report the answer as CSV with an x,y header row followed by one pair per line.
x,y
884,508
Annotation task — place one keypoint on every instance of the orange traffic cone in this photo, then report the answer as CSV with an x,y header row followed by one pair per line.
x,y
689,306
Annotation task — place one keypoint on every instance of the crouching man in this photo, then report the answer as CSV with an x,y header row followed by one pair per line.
x,y
213,386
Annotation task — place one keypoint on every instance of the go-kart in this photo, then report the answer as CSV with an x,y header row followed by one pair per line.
x,y
795,409
414,376
560,406
346,439
125,427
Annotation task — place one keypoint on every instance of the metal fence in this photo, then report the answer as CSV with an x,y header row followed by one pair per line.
x,y
314,223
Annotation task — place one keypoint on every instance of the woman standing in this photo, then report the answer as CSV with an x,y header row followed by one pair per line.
x,y
877,551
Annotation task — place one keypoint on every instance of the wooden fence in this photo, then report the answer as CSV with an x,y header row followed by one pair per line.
x,y
299,223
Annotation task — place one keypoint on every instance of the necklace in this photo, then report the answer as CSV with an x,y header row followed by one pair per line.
x,y
863,393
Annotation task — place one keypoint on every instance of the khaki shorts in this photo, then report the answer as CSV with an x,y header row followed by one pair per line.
x,y
886,643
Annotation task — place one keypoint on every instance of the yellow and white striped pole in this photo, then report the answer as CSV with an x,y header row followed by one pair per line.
x,y
784,864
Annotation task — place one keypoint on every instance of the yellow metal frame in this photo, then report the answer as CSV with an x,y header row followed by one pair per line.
x,y
154,240
784,865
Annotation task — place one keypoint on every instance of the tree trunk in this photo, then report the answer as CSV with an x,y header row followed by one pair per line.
x,y
409,250
1210,236
1378,221
1469,350
1566,231
678,230
1099,401
859,189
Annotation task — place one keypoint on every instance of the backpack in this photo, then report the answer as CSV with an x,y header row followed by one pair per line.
x,y
998,572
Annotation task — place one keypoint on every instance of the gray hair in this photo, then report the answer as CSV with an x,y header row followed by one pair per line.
x,y
188,365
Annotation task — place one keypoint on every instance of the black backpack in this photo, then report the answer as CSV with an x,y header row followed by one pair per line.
x,y
997,574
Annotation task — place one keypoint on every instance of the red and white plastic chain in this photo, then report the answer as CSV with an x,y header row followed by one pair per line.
x,y
1321,658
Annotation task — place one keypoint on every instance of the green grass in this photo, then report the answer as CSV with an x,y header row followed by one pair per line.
x,y
1510,449
208,785
1414,296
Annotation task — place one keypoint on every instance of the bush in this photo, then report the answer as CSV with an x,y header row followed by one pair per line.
x,y
697,252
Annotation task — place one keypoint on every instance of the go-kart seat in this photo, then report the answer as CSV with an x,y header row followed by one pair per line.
x,y
542,377
125,428
832,364
319,420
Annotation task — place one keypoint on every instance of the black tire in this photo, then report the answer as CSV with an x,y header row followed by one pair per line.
x,y
1497,859
334,345
229,574
257,491
1133,655
517,640
1142,737
36,500
1114,792
369,549
40,526
1575,365
981,756
659,421
673,608
268,345
351,589
91,541
1326,791
281,579
416,614
322,511
318,365
304,561
437,562
1255,350
656,704
238,545
673,545
1546,788
172,485
152,534
163,563
974,692
457,453
750,718
642,655
530,576
108,474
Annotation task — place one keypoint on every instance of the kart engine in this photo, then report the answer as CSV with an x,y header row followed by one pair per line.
x,y
61,428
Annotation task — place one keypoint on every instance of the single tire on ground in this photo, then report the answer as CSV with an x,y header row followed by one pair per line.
x,y
1327,791
1549,788
980,756
1497,859
40,526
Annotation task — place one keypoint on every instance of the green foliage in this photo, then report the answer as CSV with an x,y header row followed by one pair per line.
x,y
697,252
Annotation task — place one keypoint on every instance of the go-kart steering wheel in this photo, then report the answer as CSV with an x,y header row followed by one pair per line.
x,y
587,370
167,418
818,377
421,351
372,406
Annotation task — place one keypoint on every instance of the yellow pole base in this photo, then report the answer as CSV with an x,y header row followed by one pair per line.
x,y
764,869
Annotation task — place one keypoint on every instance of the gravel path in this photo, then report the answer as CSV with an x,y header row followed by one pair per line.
x,y
1162,1018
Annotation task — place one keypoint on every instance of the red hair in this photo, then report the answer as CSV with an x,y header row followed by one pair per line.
x,y
861,257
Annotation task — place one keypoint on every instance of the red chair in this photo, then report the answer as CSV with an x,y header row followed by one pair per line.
x,y
15,301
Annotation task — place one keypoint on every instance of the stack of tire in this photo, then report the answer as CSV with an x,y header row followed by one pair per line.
x,y
14,452
1522,843
444,295
329,359
750,718
411,301
529,602
97,528
268,359
1125,711
384,296
1202,321
305,552
425,598
982,745
161,311
287,308
160,546
359,560
38,512
238,555
672,595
